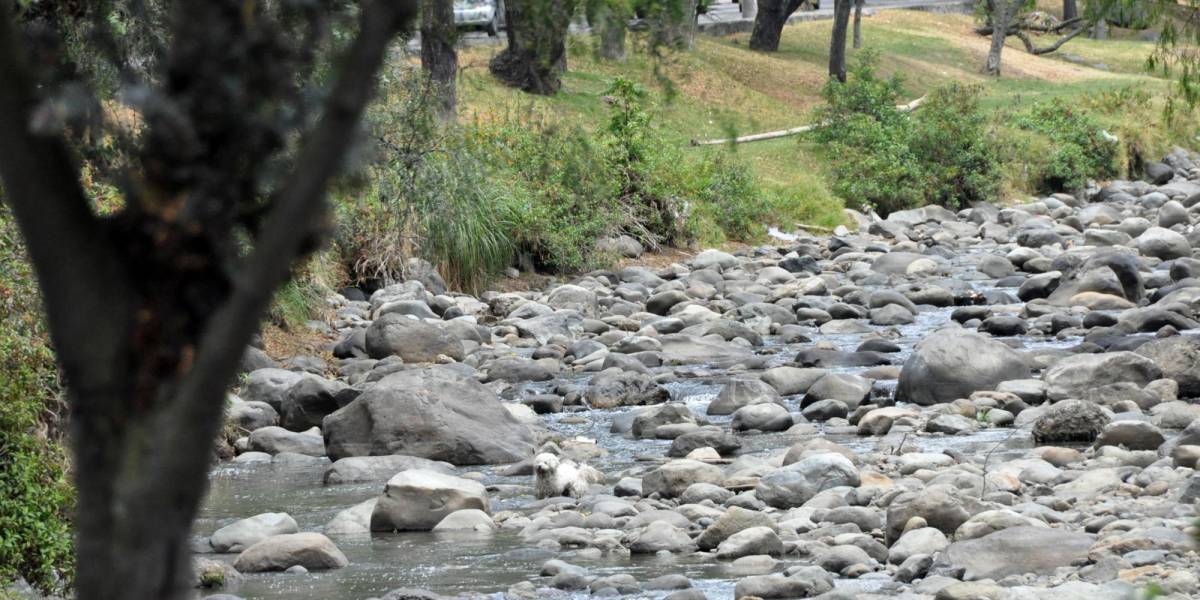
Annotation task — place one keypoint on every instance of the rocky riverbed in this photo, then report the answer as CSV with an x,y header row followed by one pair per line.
x,y
999,403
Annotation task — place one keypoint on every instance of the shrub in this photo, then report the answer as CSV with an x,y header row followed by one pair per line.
x,y
431,195
35,496
887,160
951,138
565,195
1081,148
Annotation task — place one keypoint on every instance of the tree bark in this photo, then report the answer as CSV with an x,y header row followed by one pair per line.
x,y
146,409
608,25
858,8
749,9
1070,10
438,57
675,24
1002,15
536,55
768,24
837,45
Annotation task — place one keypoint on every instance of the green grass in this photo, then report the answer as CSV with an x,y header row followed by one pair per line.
x,y
722,87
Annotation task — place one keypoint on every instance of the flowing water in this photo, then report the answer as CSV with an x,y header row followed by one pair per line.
x,y
488,564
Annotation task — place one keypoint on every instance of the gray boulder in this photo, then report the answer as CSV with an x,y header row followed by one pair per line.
x,y
1070,421
412,340
671,479
362,469
433,413
242,534
1081,376
1178,358
797,483
312,551
949,365
418,500
1015,551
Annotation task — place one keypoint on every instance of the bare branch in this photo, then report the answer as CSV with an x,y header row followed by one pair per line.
x,y
1029,47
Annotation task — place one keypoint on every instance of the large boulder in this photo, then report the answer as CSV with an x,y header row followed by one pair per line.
x,y
417,500
1108,272
1179,359
1015,551
1163,244
274,440
242,534
362,469
312,551
739,393
734,519
311,399
412,340
671,479
1083,376
949,365
433,413
761,417
941,506
752,541
802,582
614,387
573,297
797,483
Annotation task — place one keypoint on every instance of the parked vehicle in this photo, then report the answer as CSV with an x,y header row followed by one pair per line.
x,y
480,14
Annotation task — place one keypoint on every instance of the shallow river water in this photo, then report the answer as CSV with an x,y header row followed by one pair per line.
x,y
457,563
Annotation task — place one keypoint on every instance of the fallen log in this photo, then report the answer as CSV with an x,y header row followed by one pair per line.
x,y
770,135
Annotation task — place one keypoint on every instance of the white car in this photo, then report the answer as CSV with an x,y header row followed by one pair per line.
x,y
488,14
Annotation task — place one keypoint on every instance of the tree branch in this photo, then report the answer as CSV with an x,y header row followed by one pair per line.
x,y
1029,47
192,420
79,272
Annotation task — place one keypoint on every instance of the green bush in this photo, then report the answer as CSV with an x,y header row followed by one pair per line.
x,y
35,497
431,195
1081,149
887,160
566,196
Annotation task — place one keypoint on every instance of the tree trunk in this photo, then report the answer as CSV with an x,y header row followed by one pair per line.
x,y
1070,10
675,24
438,56
858,8
608,25
1002,14
837,45
148,322
768,24
1100,30
749,9
536,55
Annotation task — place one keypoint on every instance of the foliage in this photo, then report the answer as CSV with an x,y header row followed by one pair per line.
x,y
888,160
35,496
431,195
1081,148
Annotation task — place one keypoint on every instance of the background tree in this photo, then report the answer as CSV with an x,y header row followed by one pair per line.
x,y
858,9
1070,10
672,23
151,307
768,24
438,57
837,44
609,21
536,55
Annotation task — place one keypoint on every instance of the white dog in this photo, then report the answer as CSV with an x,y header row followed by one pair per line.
x,y
554,476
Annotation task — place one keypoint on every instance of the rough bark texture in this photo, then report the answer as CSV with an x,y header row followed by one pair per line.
x,y
536,55
749,8
837,45
1070,10
609,25
674,24
1001,15
149,309
438,56
768,24
858,8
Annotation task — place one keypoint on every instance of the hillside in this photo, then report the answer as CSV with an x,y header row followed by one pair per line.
x,y
722,86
